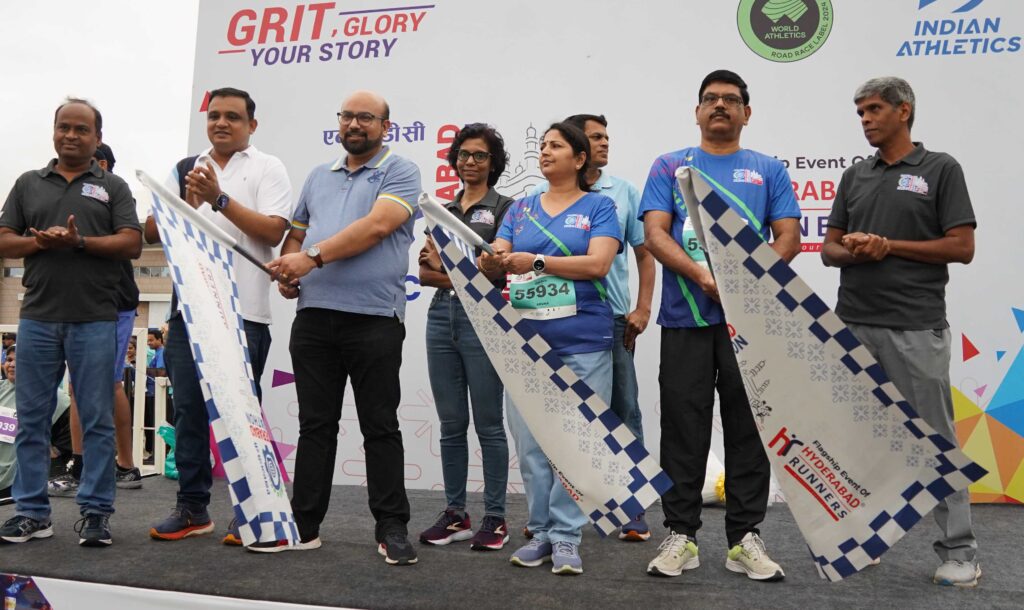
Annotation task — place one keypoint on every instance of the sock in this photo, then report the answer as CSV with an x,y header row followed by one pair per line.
x,y
76,465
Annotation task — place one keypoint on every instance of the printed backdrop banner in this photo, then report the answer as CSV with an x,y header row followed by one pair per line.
x,y
601,464
857,466
203,273
523,64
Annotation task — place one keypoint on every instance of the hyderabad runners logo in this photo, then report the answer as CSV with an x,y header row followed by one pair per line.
x,y
784,30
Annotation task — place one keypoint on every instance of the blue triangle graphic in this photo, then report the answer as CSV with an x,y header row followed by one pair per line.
x,y
1000,354
1019,315
1007,404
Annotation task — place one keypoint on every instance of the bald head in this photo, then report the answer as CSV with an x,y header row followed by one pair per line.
x,y
367,101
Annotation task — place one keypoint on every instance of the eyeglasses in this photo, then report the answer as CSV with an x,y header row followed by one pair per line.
x,y
711,99
363,118
478,156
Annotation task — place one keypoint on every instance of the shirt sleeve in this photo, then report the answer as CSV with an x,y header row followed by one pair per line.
x,y
13,216
954,202
300,218
402,186
839,217
634,230
122,207
658,190
604,221
274,193
783,200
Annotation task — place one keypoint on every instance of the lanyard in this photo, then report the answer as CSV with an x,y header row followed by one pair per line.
x,y
565,250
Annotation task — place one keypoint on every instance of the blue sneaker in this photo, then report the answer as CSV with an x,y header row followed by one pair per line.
x,y
182,523
636,530
532,555
566,559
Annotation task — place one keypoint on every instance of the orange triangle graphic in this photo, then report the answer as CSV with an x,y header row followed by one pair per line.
x,y
1008,447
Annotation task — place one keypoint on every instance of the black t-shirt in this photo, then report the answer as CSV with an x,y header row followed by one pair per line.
x,y
918,198
483,217
67,285
126,294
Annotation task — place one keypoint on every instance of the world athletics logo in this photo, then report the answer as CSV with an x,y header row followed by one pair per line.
x,y
784,30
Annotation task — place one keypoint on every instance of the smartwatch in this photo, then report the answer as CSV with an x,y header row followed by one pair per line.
x,y
538,263
313,252
221,202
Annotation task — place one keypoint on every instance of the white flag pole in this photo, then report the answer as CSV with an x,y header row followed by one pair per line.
x,y
453,224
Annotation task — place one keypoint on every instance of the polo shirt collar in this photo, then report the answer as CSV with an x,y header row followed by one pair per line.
x,y
604,181
490,200
373,163
914,157
248,151
51,168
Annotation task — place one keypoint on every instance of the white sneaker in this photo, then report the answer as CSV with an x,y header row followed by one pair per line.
x,y
957,573
750,557
676,554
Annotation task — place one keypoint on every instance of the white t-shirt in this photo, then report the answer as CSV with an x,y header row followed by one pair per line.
x,y
259,182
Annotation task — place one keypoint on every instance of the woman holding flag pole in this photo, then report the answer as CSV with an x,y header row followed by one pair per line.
x,y
556,248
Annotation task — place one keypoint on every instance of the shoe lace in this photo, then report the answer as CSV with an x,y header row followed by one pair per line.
x,y
754,546
491,523
446,518
19,520
89,521
675,543
564,549
395,538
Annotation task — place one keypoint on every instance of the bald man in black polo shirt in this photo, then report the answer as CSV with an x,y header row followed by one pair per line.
x,y
73,223
899,218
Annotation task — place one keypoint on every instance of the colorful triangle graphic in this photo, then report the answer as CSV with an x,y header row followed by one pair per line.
x,y
968,348
1018,314
282,378
1000,354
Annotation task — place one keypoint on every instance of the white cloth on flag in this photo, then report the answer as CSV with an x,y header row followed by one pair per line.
x,y
857,465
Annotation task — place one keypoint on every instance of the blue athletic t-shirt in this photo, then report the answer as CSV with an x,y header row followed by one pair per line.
x,y
592,215
759,181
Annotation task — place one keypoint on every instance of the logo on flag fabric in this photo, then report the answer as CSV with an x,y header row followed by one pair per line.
x,y
483,217
914,184
577,221
747,176
96,192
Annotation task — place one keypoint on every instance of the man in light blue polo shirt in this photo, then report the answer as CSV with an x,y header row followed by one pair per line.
x,y
346,259
628,324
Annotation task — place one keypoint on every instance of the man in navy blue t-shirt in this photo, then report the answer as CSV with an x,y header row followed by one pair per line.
x,y
696,354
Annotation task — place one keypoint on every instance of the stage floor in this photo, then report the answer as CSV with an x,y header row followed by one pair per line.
x,y
347,571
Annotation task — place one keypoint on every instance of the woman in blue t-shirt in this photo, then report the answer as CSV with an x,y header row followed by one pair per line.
x,y
556,248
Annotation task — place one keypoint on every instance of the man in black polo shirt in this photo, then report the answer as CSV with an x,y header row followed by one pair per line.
x,y
73,223
899,218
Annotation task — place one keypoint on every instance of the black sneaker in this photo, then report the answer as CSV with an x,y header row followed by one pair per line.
x,y
128,478
282,545
94,530
396,550
23,529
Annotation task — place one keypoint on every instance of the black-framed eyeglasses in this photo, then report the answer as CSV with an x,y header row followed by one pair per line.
x,y
363,118
711,99
478,156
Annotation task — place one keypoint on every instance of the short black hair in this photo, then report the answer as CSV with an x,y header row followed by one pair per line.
x,y
157,334
78,100
580,143
724,76
250,104
10,350
580,120
9,336
107,155
495,146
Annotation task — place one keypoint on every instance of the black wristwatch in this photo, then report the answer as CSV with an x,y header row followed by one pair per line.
x,y
221,202
80,246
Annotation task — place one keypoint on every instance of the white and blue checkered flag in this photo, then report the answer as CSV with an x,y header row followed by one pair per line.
x,y
858,467
605,469
202,267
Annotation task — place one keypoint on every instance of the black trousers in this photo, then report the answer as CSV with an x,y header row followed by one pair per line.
x,y
328,348
694,363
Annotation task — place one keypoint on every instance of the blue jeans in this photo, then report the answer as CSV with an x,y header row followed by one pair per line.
x,y
191,419
625,391
89,348
457,363
554,516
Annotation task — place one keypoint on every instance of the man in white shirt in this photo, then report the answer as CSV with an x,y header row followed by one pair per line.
x,y
247,193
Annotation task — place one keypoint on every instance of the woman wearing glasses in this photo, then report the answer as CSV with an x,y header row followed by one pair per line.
x,y
557,247
457,363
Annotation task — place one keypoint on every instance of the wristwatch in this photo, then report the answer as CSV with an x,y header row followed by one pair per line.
x,y
313,252
538,263
221,202
80,246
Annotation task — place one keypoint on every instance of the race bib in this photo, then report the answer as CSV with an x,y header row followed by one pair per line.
x,y
540,296
691,244
8,425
